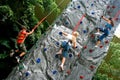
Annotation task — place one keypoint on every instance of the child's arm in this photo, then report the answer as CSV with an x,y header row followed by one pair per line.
x,y
106,19
66,34
30,32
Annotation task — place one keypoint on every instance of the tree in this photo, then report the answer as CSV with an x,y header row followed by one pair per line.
x,y
110,65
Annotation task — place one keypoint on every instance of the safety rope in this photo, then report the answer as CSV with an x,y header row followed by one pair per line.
x,y
116,15
77,25
47,15
43,17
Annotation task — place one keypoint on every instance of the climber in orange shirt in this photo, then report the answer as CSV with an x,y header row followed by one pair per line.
x,y
20,41
21,38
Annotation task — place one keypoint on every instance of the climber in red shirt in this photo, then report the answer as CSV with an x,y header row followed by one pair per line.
x,y
21,38
20,41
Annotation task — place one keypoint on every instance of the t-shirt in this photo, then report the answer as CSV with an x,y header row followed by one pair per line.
x,y
69,36
21,37
107,28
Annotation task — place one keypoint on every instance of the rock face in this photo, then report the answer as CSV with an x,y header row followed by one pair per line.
x,y
42,63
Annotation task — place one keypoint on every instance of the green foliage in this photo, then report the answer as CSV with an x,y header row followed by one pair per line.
x,y
100,76
5,12
2,56
23,12
111,65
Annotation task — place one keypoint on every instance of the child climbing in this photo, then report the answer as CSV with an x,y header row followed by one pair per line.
x,y
20,41
65,46
105,31
15,53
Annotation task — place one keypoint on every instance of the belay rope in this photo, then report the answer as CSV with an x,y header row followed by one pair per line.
x,y
44,17
77,25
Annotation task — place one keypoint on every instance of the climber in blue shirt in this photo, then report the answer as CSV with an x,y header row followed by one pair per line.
x,y
65,46
106,29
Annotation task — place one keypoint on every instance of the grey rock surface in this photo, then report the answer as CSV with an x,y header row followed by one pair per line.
x,y
41,62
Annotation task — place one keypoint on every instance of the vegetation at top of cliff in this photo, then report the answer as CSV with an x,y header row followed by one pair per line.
x,y
13,12
110,67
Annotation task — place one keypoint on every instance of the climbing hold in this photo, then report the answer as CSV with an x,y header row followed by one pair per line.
x,y
38,60
78,7
101,46
92,4
85,47
66,23
109,12
81,22
92,67
116,19
92,36
78,54
57,43
81,77
113,7
68,72
93,13
108,7
45,49
76,47
90,50
56,55
84,31
60,33
54,72
70,55
106,41
27,73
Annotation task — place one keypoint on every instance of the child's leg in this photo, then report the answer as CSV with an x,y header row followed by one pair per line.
x,y
22,54
63,62
98,42
60,51
100,39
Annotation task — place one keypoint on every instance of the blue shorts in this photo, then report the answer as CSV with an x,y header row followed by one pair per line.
x,y
102,37
106,33
64,54
66,48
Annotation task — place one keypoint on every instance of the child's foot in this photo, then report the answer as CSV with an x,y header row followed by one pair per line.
x,y
61,67
96,46
97,33
18,58
59,52
12,53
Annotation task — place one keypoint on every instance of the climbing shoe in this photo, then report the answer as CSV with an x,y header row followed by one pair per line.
x,y
17,58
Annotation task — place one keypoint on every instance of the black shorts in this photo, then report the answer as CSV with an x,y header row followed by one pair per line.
x,y
21,47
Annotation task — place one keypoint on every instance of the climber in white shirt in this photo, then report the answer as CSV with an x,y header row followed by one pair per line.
x,y
65,46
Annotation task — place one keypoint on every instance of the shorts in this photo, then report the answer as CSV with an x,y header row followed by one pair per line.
x,y
66,48
102,37
106,33
65,54
22,47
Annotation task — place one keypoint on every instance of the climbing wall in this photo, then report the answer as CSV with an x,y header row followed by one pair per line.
x,y
42,63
